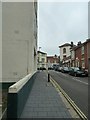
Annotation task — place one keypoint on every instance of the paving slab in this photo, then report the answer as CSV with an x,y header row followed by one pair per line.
x,y
44,101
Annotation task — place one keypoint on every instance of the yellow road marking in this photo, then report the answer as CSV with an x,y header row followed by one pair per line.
x,y
79,112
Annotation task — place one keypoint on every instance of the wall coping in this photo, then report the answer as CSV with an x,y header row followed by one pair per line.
x,y
18,85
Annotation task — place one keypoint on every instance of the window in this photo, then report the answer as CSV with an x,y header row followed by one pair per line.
x,y
38,59
82,49
73,54
48,61
43,60
64,56
83,64
64,50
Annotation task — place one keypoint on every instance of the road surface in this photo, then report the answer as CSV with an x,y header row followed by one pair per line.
x,y
75,87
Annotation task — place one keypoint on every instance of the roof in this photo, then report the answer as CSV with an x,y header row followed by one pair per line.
x,y
66,44
41,52
87,41
52,57
78,46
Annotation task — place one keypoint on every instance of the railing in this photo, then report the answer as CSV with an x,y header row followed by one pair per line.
x,y
18,94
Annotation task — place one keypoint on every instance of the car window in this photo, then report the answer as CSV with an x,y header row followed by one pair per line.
x,y
66,68
76,69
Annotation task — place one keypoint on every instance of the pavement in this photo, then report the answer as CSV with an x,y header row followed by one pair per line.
x,y
44,101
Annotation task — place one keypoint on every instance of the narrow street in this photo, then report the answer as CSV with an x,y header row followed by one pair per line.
x,y
75,87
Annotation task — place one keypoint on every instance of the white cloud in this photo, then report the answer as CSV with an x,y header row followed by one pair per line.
x,y
60,23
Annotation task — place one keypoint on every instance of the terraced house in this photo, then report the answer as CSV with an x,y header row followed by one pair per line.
x,y
41,60
81,55
51,60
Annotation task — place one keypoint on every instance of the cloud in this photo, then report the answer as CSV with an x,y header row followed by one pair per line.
x,y
60,23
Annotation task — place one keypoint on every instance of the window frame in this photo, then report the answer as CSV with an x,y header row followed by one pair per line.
x,y
64,50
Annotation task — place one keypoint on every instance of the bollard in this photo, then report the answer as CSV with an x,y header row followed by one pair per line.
x,y
48,77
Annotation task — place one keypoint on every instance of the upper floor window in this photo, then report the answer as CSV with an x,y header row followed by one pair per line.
x,y
64,56
48,61
64,50
43,60
73,54
82,49
38,59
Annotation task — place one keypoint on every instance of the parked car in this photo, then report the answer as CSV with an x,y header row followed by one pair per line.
x,y
42,68
75,71
86,72
55,67
65,69
59,69
50,68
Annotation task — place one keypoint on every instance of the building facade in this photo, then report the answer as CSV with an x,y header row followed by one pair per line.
x,y
72,57
64,51
65,54
85,54
52,60
77,56
19,40
0,41
41,60
80,55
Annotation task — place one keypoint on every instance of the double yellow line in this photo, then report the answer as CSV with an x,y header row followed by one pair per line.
x,y
79,112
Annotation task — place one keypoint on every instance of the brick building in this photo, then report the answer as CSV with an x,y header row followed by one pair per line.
x,y
80,55
86,53
52,60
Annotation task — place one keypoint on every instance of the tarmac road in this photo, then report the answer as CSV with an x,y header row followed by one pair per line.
x,y
75,87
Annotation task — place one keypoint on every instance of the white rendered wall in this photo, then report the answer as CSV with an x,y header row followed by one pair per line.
x,y
18,40
67,52
40,63
0,41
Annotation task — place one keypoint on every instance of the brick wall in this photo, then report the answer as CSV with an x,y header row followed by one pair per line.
x,y
53,59
78,55
86,56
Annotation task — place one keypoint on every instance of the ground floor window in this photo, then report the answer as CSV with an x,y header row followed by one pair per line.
x,y
83,64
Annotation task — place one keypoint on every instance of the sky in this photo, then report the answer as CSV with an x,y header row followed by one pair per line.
x,y
61,22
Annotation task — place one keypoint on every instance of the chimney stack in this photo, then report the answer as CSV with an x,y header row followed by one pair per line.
x,y
71,44
79,43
